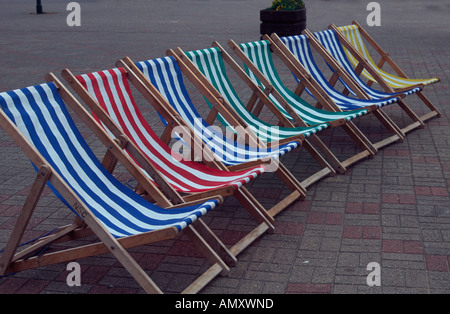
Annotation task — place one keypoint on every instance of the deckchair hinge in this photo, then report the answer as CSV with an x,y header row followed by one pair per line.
x,y
121,140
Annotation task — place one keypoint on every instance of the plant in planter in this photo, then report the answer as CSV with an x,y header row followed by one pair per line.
x,y
284,17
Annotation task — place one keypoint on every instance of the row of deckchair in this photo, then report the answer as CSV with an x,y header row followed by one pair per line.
x,y
174,192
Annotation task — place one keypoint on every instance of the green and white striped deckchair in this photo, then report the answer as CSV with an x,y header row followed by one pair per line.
x,y
217,80
354,39
211,63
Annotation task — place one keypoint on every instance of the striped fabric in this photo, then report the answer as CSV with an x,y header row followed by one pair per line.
x,y
165,75
259,53
352,33
43,119
330,41
300,48
111,90
210,63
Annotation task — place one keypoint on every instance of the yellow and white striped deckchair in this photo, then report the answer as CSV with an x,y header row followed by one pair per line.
x,y
364,63
355,34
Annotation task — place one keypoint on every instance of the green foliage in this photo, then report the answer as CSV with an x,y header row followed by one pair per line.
x,y
286,5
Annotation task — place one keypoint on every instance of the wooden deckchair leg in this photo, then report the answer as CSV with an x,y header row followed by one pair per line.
x,y
137,272
205,248
216,244
109,161
253,207
428,103
24,217
298,193
389,124
359,138
336,164
31,250
290,181
411,114
229,255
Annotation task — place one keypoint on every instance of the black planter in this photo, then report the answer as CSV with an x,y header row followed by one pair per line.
x,y
282,22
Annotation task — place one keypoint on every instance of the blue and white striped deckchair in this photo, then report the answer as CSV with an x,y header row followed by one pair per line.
x,y
164,77
37,119
300,47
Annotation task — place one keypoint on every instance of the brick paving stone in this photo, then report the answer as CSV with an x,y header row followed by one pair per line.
x,y
437,263
371,232
392,246
393,209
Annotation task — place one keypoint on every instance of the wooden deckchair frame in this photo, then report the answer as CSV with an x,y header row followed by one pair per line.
x,y
307,81
170,115
385,58
265,222
11,261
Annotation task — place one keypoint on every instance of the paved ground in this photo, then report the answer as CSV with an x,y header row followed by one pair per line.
x,y
393,209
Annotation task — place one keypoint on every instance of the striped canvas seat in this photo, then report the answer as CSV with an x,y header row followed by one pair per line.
x,y
330,41
110,88
41,116
210,63
352,33
259,53
165,75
